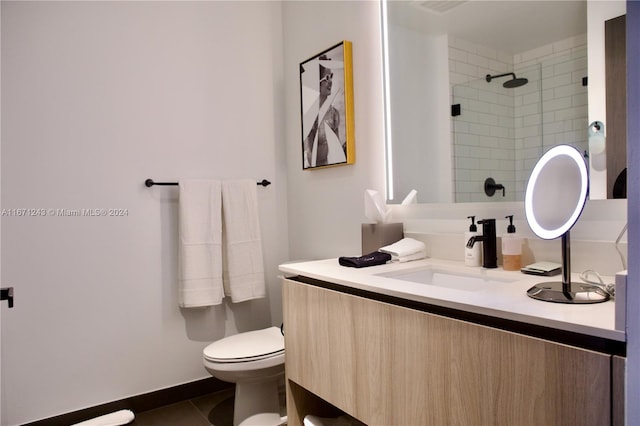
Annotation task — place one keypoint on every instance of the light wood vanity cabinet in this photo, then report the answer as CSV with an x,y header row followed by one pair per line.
x,y
385,364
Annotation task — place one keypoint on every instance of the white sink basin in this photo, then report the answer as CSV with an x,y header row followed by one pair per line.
x,y
444,278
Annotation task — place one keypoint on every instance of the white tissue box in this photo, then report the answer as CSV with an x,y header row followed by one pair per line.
x,y
376,235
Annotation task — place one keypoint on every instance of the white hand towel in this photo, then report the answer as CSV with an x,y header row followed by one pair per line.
x,y
242,254
408,258
404,247
200,244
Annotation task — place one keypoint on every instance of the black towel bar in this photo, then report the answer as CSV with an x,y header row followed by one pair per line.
x,y
149,183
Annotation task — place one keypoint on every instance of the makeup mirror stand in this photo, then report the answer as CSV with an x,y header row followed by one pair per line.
x,y
560,174
565,291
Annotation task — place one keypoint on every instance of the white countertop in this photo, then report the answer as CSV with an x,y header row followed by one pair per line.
x,y
507,300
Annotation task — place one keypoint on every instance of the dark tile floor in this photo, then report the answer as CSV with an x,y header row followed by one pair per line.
x,y
213,409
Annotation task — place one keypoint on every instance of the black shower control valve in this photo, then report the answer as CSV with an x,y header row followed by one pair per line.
x,y
490,187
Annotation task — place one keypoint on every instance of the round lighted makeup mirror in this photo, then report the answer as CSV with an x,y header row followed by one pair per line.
x,y
556,193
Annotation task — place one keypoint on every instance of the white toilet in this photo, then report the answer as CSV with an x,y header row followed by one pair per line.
x,y
254,361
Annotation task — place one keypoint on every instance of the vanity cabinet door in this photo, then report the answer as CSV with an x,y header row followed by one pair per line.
x,y
388,365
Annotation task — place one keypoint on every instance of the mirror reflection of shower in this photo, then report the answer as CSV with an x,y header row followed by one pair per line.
x,y
498,133
507,119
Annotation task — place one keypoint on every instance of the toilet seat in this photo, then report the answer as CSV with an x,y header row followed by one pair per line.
x,y
254,361
247,347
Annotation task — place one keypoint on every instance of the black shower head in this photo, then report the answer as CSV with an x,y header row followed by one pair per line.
x,y
509,84
515,82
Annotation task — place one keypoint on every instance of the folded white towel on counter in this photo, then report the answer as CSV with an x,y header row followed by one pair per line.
x,y
408,258
404,247
242,242
200,244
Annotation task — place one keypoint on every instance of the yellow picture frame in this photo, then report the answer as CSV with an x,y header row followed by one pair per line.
x,y
326,106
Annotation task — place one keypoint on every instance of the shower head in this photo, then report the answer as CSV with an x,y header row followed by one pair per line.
x,y
515,82
509,84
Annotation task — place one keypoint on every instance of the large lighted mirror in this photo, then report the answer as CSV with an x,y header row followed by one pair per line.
x,y
477,90
555,196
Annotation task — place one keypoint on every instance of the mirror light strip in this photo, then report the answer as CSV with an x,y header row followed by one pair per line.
x,y
387,100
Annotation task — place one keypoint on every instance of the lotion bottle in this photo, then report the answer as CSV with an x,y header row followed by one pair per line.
x,y
511,248
472,256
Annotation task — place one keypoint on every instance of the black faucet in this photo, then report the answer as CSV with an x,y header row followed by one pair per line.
x,y
489,246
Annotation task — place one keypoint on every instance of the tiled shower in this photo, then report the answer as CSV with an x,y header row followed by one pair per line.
x,y
500,132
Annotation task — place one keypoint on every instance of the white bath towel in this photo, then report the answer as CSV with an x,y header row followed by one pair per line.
x,y
242,241
200,244
404,247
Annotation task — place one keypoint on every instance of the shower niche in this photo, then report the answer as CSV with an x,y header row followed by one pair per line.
x,y
504,122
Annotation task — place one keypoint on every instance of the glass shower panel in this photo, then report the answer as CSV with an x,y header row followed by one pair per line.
x,y
565,101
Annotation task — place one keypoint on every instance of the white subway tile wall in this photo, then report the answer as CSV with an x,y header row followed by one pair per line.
x,y
501,132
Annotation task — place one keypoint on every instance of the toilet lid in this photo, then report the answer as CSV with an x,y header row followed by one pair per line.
x,y
250,345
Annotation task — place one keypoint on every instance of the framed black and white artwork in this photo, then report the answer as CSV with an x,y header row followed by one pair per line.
x,y
326,97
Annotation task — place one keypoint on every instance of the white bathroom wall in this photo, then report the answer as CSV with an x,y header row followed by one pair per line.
x,y
97,97
326,206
